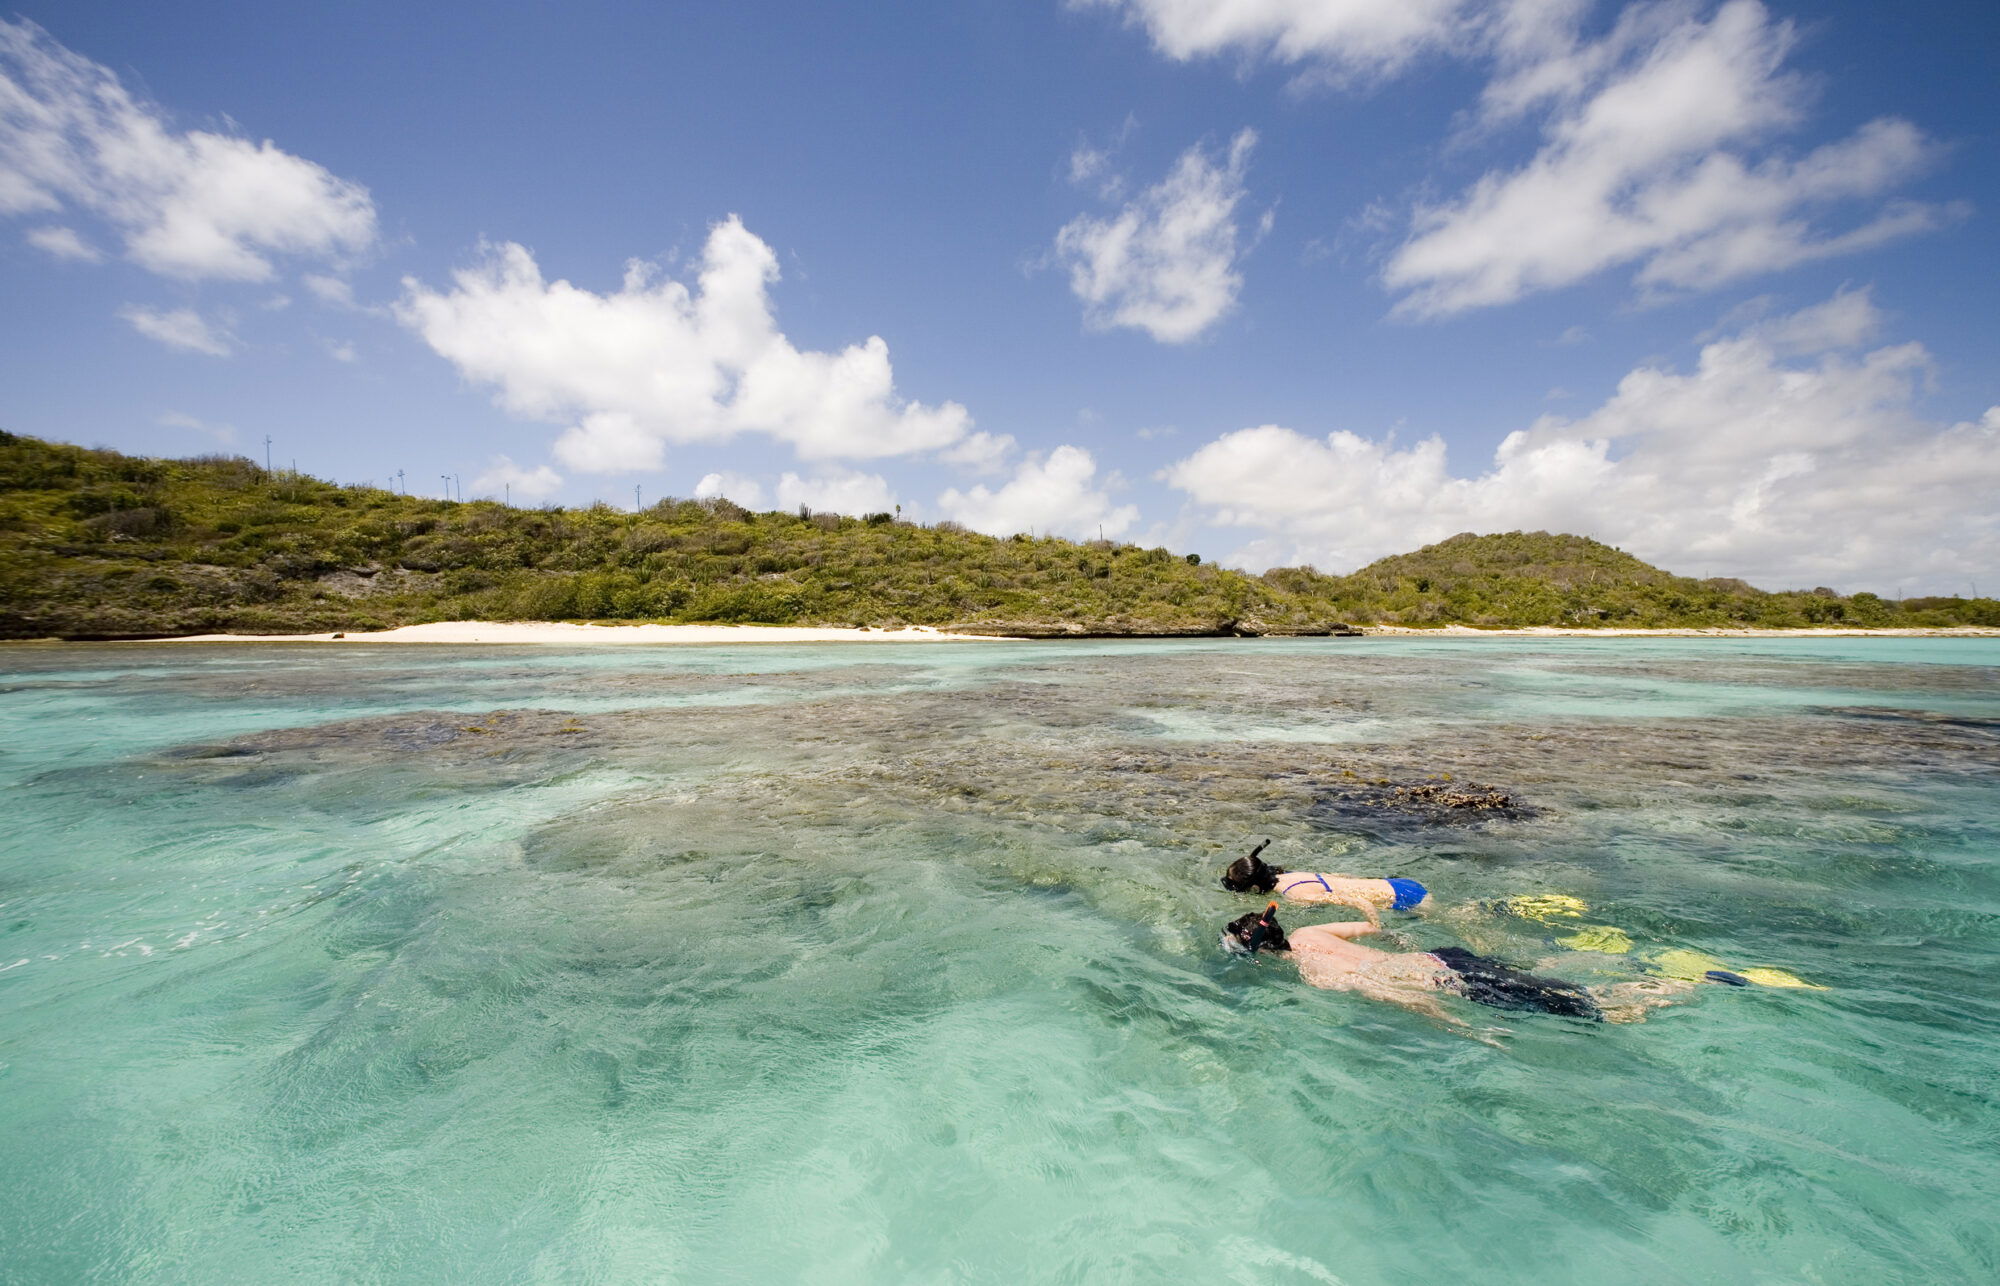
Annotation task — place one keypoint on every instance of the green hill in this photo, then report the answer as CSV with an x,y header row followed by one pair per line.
x,y
98,544
1518,579
94,544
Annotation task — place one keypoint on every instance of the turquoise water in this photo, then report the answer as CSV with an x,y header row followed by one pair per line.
x,y
899,963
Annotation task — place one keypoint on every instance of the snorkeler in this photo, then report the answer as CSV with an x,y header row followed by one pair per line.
x,y
1327,957
1250,874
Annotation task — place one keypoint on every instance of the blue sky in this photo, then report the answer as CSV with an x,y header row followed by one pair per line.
x,y
1277,281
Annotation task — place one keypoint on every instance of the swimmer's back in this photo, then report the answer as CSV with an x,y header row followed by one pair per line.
x,y
1394,894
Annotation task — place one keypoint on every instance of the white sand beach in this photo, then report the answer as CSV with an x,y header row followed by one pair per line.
x,y
564,632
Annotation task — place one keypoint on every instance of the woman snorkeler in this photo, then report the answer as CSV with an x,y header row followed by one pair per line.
x,y
1327,956
1250,874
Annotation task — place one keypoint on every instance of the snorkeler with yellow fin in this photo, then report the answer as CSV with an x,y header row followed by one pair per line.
x,y
1552,909
1370,896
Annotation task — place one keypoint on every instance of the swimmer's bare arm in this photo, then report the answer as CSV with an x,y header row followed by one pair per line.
x,y
1346,930
1416,1002
1332,977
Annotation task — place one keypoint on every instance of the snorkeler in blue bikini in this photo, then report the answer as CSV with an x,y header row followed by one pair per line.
x,y
1251,874
1328,957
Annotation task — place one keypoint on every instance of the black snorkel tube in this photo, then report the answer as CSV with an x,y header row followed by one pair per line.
x,y
1267,932
1249,934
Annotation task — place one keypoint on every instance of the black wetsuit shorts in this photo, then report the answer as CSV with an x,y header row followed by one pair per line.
x,y
1488,982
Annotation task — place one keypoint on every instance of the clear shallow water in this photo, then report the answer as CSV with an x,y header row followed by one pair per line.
x,y
846,964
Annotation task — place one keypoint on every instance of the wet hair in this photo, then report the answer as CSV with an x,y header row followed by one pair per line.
x,y
1250,874
1259,930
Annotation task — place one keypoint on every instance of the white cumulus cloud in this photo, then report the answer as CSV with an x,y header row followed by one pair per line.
x,y
1655,154
181,328
190,204
1790,455
980,452
655,362
1351,36
1166,263
1056,494
1087,162
330,290
504,478
841,491
745,491
64,243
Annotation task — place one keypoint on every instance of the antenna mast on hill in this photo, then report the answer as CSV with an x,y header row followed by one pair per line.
x,y
267,453
507,493
444,480
635,497
400,485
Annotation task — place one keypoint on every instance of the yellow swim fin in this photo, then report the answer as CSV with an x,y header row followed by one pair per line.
x,y
1546,906
1693,966
1780,978
1598,937
1687,966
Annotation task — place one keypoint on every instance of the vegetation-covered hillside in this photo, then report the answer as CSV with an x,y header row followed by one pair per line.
x,y
1534,578
98,544
94,543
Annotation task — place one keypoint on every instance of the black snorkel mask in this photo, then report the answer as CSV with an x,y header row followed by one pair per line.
x,y
1250,874
1249,934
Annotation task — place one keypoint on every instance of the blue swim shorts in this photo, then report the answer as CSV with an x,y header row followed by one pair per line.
x,y
1408,893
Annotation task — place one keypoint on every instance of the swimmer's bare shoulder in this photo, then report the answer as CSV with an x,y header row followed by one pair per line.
x,y
1327,955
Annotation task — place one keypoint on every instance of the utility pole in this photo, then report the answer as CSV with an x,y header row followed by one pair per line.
x,y
400,484
635,497
267,453
445,480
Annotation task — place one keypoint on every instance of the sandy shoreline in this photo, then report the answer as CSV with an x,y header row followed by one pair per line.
x,y
564,632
